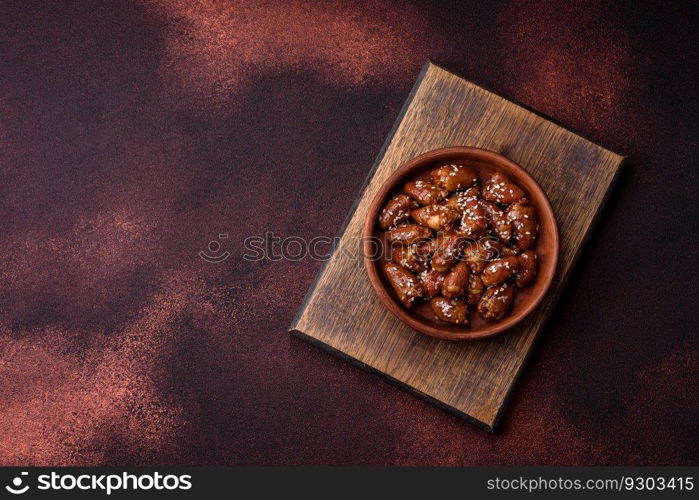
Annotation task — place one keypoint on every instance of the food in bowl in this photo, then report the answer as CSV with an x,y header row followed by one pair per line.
x,y
461,239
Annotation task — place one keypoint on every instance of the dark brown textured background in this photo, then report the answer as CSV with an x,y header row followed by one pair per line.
x,y
134,133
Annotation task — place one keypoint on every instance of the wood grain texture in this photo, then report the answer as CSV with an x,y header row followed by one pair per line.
x,y
341,312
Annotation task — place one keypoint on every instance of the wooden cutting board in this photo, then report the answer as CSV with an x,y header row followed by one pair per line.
x,y
342,314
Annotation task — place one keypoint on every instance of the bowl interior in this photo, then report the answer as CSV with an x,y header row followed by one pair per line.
x,y
420,316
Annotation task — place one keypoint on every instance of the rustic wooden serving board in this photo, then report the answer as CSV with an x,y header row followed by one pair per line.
x,y
341,312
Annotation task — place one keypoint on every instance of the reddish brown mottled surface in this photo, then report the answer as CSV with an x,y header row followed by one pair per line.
x,y
134,133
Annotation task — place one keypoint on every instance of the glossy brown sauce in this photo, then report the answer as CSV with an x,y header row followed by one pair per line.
x,y
502,195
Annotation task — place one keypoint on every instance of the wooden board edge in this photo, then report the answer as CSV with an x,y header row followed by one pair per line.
x,y
559,291
367,180
486,426
421,76
490,427
622,156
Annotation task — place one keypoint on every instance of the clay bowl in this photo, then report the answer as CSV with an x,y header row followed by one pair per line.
x,y
420,316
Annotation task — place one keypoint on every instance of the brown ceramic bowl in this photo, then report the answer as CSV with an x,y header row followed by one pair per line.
x,y
420,316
